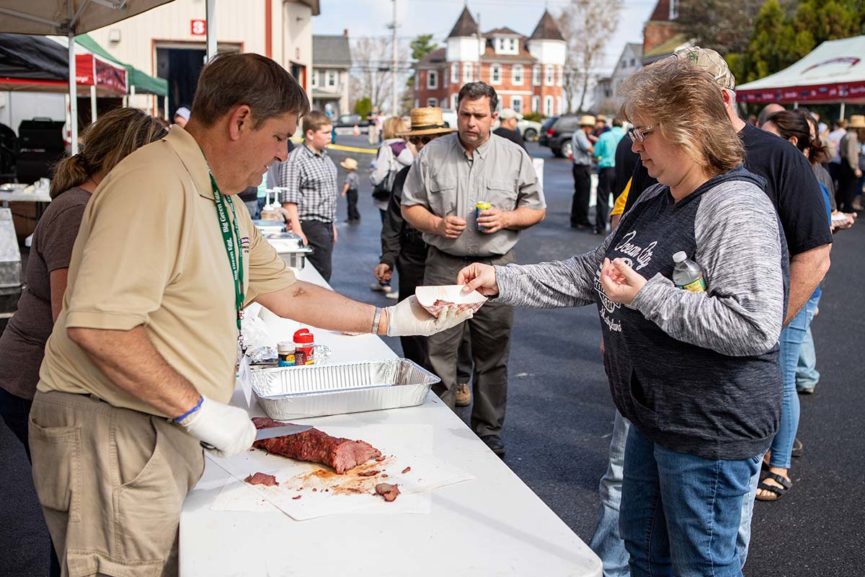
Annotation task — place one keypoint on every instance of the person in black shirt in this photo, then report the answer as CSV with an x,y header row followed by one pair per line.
x,y
508,127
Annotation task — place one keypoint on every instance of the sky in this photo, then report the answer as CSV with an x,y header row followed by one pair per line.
x,y
437,17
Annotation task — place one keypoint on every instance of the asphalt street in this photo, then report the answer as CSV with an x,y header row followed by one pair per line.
x,y
560,410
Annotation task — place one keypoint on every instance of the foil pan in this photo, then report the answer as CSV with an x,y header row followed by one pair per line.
x,y
316,391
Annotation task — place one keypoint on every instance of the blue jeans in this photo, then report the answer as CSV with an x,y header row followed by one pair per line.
x,y
681,513
807,375
791,343
607,542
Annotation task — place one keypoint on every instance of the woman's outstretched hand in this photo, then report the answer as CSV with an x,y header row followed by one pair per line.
x,y
479,277
621,283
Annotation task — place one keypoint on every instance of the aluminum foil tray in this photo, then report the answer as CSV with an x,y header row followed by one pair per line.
x,y
316,391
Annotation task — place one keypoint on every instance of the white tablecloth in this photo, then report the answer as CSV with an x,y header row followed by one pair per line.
x,y
491,525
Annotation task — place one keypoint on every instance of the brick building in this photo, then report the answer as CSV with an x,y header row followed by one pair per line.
x,y
525,71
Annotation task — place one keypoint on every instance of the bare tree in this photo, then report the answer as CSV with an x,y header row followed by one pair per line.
x,y
371,70
587,26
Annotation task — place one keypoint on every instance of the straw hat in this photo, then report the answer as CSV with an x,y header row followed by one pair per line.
x,y
857,121
427,120
349,164
587,120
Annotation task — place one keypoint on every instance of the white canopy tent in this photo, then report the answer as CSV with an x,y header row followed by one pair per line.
x,y
834,72
72,17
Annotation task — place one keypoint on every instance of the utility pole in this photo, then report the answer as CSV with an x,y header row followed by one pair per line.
x,y
394,87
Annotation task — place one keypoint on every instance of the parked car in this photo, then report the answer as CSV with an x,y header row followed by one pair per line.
x,y
344,123
556,133
450,117
530,129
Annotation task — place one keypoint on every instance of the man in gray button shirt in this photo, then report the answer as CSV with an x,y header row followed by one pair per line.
x,y
448,178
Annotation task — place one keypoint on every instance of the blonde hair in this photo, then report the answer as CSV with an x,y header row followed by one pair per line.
x,y
104,144
685,104
393,125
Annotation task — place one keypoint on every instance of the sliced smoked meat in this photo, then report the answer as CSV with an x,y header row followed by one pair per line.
x,y
387,490
262,479
315,446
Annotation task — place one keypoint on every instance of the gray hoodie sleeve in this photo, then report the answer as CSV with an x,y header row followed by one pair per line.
x,y
739,249
564,283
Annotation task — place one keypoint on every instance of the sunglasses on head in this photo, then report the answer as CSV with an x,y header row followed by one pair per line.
x,y
420,139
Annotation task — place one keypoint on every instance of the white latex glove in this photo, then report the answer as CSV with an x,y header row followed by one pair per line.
x,y
228,430
409,318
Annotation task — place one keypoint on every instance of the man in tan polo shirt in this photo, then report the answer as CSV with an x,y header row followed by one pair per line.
x,y
141,363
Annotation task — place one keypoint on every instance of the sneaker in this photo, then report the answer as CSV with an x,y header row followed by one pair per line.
x,y
463,395
378,287
806,390
494,442
392,295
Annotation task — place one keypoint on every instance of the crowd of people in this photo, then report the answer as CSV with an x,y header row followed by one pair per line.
x,y
704,382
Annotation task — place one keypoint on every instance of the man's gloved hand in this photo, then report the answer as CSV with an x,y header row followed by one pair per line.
x,y
227,429
410,318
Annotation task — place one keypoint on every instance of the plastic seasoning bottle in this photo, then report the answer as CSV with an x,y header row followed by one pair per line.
x,y
285,350
304,347
687,274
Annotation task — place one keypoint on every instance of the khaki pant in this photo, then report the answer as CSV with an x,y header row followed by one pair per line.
x,y
111,483
489,333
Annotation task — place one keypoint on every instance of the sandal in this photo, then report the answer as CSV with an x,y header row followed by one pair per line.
x,y
775,491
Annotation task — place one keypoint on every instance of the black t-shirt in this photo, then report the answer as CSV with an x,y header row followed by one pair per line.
x,y
512,135
790,185
626,160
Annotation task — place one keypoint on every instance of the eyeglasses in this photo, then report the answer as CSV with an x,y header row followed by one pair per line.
x,y
420,139
640,134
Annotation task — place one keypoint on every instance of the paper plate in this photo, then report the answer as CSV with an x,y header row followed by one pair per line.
x,y
435,298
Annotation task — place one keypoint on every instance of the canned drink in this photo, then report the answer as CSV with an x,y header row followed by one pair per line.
x,y
481,206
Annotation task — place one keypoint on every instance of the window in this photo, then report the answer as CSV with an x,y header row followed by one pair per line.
x,y
314,79
512,45
633,62
432,79
536,75
536,104
495,74
674,9
517,74
467,72
432,102
444,103
331,78
454,101
455,73
517,103
548,106
548,75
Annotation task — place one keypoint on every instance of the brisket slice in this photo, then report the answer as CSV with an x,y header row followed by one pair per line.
x,y
387,490
262,479
316,447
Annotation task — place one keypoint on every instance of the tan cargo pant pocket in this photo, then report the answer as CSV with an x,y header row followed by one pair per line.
x,y
56,455
147,510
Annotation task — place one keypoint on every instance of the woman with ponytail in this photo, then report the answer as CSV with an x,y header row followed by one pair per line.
x,y
105,143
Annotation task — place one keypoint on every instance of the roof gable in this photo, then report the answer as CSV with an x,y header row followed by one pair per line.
x,y
465,26
331,51
547,29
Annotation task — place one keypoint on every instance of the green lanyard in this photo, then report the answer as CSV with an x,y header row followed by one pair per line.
x,y
235,254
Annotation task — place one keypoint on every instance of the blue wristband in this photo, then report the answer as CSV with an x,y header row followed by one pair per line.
x,y
190,411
